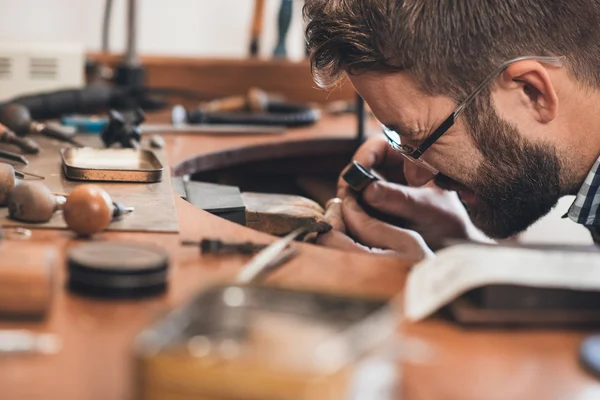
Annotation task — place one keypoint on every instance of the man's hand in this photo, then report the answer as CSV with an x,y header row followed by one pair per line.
x,y
428,212
373,235
435,214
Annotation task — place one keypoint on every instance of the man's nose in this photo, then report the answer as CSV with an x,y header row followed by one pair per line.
x,y
415,175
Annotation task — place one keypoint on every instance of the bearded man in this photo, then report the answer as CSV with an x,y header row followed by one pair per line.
x,y
486,105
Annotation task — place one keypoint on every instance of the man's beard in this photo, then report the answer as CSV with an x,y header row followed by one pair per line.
x,y
518,182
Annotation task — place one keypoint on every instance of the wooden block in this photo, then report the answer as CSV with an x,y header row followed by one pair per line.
x,y
222,200
280,214
26,285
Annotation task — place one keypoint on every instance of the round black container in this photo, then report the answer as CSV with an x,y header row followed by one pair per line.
x,y
117,270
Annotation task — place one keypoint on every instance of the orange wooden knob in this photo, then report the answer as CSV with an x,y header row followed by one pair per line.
x,y
88,210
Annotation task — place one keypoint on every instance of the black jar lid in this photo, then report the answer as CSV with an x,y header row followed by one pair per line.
x,y
116,269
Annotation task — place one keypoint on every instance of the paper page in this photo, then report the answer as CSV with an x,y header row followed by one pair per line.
x,y
436,282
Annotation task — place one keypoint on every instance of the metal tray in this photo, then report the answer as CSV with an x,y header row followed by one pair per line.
x,y
121,165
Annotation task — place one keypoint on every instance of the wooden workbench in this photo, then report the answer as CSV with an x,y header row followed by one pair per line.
x,y
96,363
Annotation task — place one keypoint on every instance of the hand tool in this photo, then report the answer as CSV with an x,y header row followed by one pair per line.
x,y
94,125
123,129
270,257
10,156
361,120
255,100
257,25
84,124
27,145
7,180
157,142
17,117
33,202
277,113
87,210
283,25
217,246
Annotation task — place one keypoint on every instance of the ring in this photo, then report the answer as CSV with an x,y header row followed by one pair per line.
x,y
335,200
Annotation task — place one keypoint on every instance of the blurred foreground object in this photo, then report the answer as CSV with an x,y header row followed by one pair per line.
x,y
22,341
26,279
508,285
272,342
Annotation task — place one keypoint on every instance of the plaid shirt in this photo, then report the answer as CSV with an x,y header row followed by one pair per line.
x,y
585,209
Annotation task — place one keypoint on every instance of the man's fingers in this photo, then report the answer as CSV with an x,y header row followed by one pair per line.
x,y
374,153
338,240
375,233
333,215
393,199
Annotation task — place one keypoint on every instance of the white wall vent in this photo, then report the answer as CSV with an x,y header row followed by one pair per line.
x,y
32,67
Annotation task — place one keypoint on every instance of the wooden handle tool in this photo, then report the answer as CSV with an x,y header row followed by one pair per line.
x,y
87,210
8,182
257,26
283,24
27,145
255,101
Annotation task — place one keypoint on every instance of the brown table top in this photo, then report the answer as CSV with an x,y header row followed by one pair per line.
x,y
95,361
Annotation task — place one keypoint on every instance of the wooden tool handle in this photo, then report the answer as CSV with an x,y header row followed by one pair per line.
x,y
31,202
88,210
7,181
27,145
233,103
257,25
255,101
283,24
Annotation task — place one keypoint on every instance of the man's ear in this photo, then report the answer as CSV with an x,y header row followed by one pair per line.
x,y
533,82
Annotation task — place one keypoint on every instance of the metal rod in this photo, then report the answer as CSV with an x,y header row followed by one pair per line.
x,y
361,119
58,134
270,257
106,26
131,57
213,129
21,175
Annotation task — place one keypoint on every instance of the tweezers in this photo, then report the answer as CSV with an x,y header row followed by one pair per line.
x,y
271,257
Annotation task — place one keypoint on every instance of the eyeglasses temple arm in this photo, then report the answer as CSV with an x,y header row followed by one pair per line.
x,y
448,122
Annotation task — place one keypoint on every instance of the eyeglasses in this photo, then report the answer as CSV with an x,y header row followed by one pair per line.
x,y
414,154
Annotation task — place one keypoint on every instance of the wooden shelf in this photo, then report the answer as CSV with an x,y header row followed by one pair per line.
x,y
224,77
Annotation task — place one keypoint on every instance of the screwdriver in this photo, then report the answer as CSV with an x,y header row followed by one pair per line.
x,y
9,155
26,145
221,247
18,118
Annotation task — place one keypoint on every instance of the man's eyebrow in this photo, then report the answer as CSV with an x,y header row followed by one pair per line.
x,y
406,131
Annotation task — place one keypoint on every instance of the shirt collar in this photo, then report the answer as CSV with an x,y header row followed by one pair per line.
x,y
586,207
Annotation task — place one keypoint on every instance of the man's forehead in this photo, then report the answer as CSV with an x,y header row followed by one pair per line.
x,y
390,86
393,98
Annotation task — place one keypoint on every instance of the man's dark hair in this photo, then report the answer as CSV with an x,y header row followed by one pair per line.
x,y
449,46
